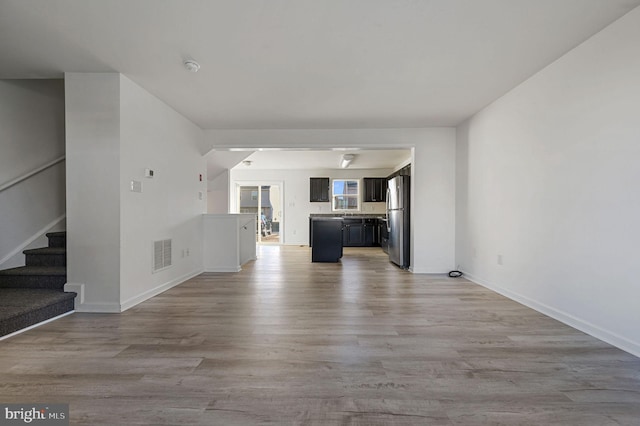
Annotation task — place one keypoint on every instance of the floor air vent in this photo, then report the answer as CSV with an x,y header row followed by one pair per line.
x,y
161,254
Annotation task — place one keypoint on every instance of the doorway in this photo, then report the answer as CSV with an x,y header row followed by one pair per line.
x,y
265,201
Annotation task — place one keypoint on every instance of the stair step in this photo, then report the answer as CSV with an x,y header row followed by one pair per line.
x,y
21,308
35,293
35,270
48,256
57,239
42,277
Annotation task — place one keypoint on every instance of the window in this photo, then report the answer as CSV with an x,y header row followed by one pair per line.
x,y
345,194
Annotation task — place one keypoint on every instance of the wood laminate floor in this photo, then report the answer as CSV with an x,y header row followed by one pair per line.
x,y
287,341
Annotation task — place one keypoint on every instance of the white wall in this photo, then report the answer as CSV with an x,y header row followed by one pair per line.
x,y
433,204
31,125
93,188
229,241
152,135
218,193
32,135
115,130
318,138
547,178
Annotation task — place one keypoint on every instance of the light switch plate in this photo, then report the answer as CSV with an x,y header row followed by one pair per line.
x,y
136,186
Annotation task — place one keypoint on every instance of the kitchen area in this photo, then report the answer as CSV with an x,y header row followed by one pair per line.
x,y
329,233
432,188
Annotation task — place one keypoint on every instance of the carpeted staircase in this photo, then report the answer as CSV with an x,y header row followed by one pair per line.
x,y
34,293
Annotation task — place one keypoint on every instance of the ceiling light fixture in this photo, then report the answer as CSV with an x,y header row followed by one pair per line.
x,y
346,160
191,65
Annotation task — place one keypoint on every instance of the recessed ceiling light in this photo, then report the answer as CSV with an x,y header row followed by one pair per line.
x,y
191,65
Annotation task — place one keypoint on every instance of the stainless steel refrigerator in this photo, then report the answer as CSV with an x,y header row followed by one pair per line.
x,y
398,220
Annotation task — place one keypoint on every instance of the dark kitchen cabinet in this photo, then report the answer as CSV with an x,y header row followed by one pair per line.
x,y
353,233
370,231
360,232
375,190
326,234
319,189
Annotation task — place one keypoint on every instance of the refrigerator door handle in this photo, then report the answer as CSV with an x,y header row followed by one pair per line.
x,y
387,211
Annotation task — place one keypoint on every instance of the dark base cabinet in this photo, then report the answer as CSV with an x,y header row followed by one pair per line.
x,y
327,240
360,233
370,232
353,232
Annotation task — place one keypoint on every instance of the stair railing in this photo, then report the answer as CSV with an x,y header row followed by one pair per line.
x,y
31,173
16,181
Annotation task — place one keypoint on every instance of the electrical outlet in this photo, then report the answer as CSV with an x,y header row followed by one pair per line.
x,y
499,259
187,252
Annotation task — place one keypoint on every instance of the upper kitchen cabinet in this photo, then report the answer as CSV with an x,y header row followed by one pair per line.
x,y
319,189
375,190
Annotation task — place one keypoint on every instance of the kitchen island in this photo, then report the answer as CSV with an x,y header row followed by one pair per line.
x,y
357,230
326,234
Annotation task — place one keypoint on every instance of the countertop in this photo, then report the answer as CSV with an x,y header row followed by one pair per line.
x,y
347,216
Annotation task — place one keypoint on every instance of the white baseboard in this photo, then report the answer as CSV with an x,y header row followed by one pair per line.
x,y
223,269
566,318
427,271
115,308
98,308
77,288
15,333
129,303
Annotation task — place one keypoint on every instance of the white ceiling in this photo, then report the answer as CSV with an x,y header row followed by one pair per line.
x,y
292,160
304,64
304,159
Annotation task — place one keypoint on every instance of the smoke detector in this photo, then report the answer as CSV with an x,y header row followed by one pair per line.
x,y
191,65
